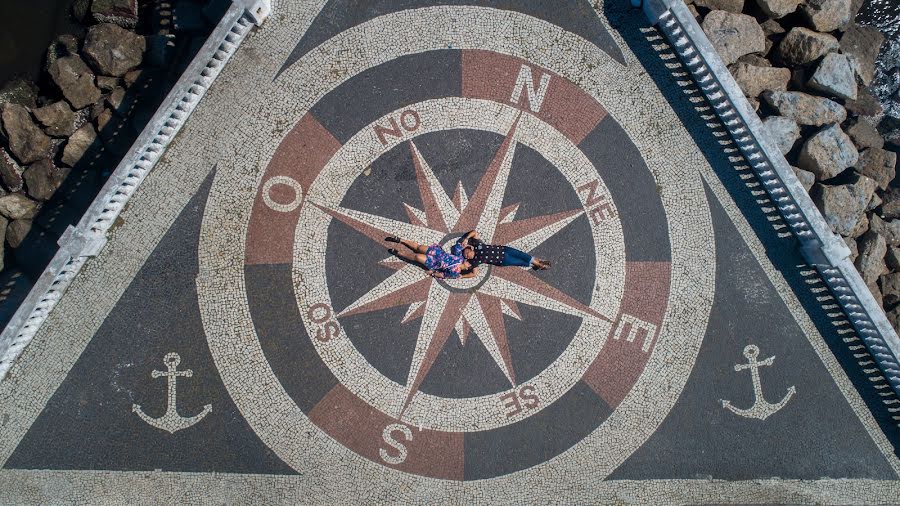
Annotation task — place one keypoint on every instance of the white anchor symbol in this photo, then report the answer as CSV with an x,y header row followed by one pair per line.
x,y
171,421
760,408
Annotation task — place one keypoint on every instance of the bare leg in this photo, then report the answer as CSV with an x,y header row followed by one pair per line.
x,y
418,248
410,257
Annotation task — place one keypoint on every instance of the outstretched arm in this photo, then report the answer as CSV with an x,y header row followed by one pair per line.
x,y
436,274
464,240
471,274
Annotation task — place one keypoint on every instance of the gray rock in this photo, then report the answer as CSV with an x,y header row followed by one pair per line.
x,y
889,229
10,172
733,35
104,128
754,80
843,206
865,104
784,132
865,135
64,45
112,50
861,227
893,316
81,9
870,262
116,99
828,153
778,8
76,81
863,44
805,109
58,119
80,143
18,91
878,164
802,45
854,249
835,76
876,292
827,15
771,27
892,258
132,77
890,288
123,13
17,231
107,83
873,203
26,140
16,206
755,60
890,203
696,14
735,6
807,178
42,179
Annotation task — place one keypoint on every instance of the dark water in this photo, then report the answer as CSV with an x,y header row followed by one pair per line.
x,y
28,28
885,16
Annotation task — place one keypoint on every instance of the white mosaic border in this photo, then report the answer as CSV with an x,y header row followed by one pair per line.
x,y
820,246
88,238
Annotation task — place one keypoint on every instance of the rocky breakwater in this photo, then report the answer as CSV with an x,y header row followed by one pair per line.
x,y
64,133
806,68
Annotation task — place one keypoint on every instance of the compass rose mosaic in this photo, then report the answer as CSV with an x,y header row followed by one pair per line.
x,y
461,359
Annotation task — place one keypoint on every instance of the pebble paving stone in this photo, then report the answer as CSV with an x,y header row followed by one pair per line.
x,y
245,336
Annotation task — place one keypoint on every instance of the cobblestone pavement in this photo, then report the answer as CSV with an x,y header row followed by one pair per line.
x,y
246,337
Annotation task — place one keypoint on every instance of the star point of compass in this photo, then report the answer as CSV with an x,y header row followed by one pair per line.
x,y
440,310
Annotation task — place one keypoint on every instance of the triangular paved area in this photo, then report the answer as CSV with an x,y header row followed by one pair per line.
x,y
324,370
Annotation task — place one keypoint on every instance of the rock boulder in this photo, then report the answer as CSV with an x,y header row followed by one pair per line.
x,y
863,44
835,76
26,140
807,178
802,45
16,206
58,119
827,15
890,203
754,80
878,164
870,262
889,229
805,109
17,232
83,141
123,13
76,81
782,131
10,172
865,135
778,8
733,35
843,205
112,50
735,6
42,179
828,153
